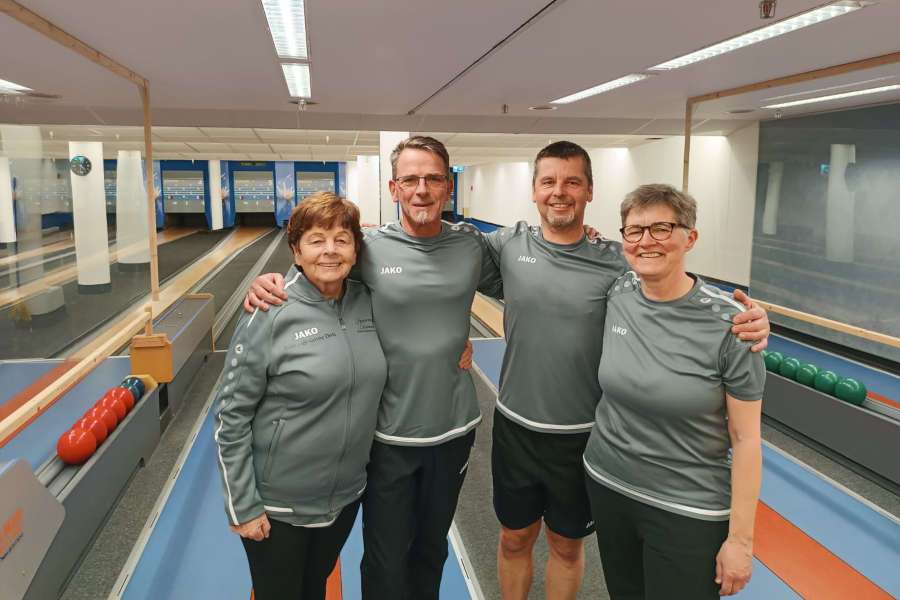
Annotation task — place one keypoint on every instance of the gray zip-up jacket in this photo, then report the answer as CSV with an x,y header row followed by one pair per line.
x,y
298,405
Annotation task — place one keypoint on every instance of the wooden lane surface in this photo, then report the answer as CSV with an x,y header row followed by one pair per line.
x,y
26,406
488,313
69,272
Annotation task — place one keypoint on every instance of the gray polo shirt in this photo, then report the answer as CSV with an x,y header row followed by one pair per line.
x,y
422,291
555,306
661,433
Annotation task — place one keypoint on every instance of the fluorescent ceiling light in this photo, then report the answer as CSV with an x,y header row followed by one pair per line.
x,y
876,90
297,78
603,87
8,87
287,23
817,15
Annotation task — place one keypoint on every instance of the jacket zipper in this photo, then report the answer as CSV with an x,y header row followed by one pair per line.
x,y
349,396
273,447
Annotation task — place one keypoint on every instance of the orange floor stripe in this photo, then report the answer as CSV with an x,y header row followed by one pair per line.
x,y
806,566
333,589
884,400
36,386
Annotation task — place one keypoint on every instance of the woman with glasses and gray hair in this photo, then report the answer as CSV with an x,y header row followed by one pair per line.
x,y
673,462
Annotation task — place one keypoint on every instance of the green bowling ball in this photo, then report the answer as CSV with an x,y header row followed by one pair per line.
x,y
789,367
806,374
136,383
850,390
773,360
825,381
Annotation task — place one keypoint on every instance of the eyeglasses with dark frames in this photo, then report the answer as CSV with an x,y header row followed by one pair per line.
x,y
659,231
433,181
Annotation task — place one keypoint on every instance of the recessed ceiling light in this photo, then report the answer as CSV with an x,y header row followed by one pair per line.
x,y
8,87
876,90
543,107
811,17
287,24
652,139
603,87
297,77
740,111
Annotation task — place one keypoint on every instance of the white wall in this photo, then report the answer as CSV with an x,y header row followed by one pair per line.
x,y
722,179
362,188
499,192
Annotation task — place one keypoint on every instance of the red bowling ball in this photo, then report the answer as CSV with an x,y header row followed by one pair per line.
x,y
115,403
96,425
125,394
76,446
108,416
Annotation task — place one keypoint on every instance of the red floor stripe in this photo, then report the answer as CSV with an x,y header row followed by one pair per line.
x,y
806,566
884,400
20,399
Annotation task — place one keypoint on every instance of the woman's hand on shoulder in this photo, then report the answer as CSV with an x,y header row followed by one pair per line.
x,y
256,529
734,565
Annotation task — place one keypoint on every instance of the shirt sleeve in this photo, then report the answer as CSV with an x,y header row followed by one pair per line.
x,y
743,371
491,282
242,386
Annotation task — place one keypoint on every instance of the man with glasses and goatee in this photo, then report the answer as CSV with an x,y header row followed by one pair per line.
x,y
423,274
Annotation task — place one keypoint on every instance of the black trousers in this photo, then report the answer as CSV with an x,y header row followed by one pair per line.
x,y
293,563
653,554
407,511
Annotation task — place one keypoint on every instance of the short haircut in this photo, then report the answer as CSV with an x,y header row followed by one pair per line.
x,y
325,210
682,204
420,142
564,150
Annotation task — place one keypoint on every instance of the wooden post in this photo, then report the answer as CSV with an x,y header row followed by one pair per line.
x,y
151,192
688,116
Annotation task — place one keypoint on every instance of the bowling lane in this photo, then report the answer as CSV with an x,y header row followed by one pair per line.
x,y
49,335
37,442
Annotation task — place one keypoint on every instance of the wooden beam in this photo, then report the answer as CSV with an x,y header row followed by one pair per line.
x,y
40,24
151,191
850,67
873,336
686,168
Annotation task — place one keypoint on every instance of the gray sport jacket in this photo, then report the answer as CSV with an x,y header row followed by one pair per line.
x,y
298,405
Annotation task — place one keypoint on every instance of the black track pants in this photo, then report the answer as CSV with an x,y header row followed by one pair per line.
x,y
293,563
652,554
407,511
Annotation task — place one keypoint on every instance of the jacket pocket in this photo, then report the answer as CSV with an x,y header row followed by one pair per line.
x,y
273,448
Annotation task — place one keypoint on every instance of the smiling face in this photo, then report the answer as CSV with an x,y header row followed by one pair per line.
x,y
421,205
561,192
653,259
326,255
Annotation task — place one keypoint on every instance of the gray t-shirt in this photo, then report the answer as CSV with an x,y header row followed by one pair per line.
x,y
555,305
422,291
660,435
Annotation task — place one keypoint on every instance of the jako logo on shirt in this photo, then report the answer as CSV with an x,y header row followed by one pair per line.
x,y
619,329
299,335
391,270
527,259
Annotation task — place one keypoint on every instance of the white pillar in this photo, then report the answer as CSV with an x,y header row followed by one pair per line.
x,y
841,203
7,217
773,195
368,199
387,140
215,193
89,215
132,237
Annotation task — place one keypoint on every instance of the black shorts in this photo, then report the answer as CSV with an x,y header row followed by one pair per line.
x,y
540,475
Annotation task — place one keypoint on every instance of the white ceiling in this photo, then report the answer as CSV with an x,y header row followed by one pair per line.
x,y
204,143
212,64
